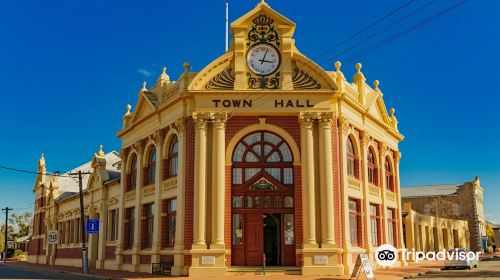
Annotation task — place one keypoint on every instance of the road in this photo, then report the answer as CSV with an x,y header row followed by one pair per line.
x,y
487,269
16,272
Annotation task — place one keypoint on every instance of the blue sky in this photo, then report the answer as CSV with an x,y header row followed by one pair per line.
x,y
68,68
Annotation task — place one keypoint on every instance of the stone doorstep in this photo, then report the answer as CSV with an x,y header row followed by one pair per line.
x,y
59,271
258,270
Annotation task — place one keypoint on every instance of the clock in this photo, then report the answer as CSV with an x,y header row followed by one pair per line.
x,y
263,59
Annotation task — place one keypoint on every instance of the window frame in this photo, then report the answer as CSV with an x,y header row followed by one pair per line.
x,y
355,228
375,219
151,168
372,167
173,158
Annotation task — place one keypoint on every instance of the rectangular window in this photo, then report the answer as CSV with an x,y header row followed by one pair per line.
x,y
113,225
391,226
375,224
350,166
237,229
129,227
289,229
169,222
237,176
67,233
148,218
354,221
78,232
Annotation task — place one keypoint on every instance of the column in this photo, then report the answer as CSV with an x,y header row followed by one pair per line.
x,y
103,228
200,165
383,208
365,139
309,204
347,259
137,206
326,179
159,138
178,268
121,212
218,152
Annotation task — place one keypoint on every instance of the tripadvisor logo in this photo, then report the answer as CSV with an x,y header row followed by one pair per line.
x,y
386,255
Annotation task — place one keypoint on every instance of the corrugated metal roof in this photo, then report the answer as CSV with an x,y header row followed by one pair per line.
x,y
67,184
429,190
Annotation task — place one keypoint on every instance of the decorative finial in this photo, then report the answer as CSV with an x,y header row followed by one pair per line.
x,y
143,87
375,84
358,67
100,153
41,163
186,66
338,65
392,112
128,107
163,78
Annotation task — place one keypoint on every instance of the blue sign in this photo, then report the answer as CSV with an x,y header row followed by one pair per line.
x,y
93,226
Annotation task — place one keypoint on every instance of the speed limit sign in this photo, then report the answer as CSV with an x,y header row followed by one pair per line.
x,y
52,236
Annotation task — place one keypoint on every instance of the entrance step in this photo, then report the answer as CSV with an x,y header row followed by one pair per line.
x,y
259,270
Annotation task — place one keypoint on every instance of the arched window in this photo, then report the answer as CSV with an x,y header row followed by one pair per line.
x,y
151,166
351,170
389,177
132,177
262,153
173,157
372,170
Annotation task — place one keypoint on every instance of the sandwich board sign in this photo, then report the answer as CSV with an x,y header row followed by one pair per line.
x,y
363,264
52,237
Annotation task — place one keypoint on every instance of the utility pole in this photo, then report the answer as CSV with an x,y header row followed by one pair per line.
x,y
6,209
85,260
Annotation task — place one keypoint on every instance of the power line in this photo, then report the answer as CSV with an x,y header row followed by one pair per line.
x,y
384,29
33,172
391,13
406,31
264,98
366,28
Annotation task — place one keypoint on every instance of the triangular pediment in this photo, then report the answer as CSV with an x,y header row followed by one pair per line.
x,y
376,107
144,108
247,20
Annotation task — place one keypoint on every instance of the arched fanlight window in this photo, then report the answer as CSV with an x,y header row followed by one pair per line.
x,y
372,170
173,157
389,177
262,153
132,181
351,158
151,166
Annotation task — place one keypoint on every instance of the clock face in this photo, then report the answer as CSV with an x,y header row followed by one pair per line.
x,y
263,59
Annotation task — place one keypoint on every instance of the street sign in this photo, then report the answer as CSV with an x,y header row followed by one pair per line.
x,y
93,226
52,237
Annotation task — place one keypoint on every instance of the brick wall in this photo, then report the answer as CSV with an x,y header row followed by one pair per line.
x,y
189,186
127,259
110,252
69,253
336,182
145,259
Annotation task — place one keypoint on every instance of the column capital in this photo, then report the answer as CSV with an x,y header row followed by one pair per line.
x,y
325,119
139,146
397,156
343,124
306,119
219,120
201,119
179,125
365,137
383,149
158,136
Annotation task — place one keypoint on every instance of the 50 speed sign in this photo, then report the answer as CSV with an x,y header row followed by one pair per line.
x,y
52,236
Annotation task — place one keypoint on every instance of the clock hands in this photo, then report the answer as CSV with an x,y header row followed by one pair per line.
x,y
264,59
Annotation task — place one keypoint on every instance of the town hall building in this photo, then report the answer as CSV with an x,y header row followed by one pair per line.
x,y
261,157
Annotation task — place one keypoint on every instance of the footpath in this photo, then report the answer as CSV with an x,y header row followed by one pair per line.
x,y
380,274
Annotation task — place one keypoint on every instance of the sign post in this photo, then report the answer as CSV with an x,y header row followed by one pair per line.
x,y
363,264
52,239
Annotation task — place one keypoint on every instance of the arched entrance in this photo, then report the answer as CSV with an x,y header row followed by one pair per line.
x,y
262,201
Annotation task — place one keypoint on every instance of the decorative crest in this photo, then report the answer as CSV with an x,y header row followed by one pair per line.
x,y
263,31
223,81
264,82
302,80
